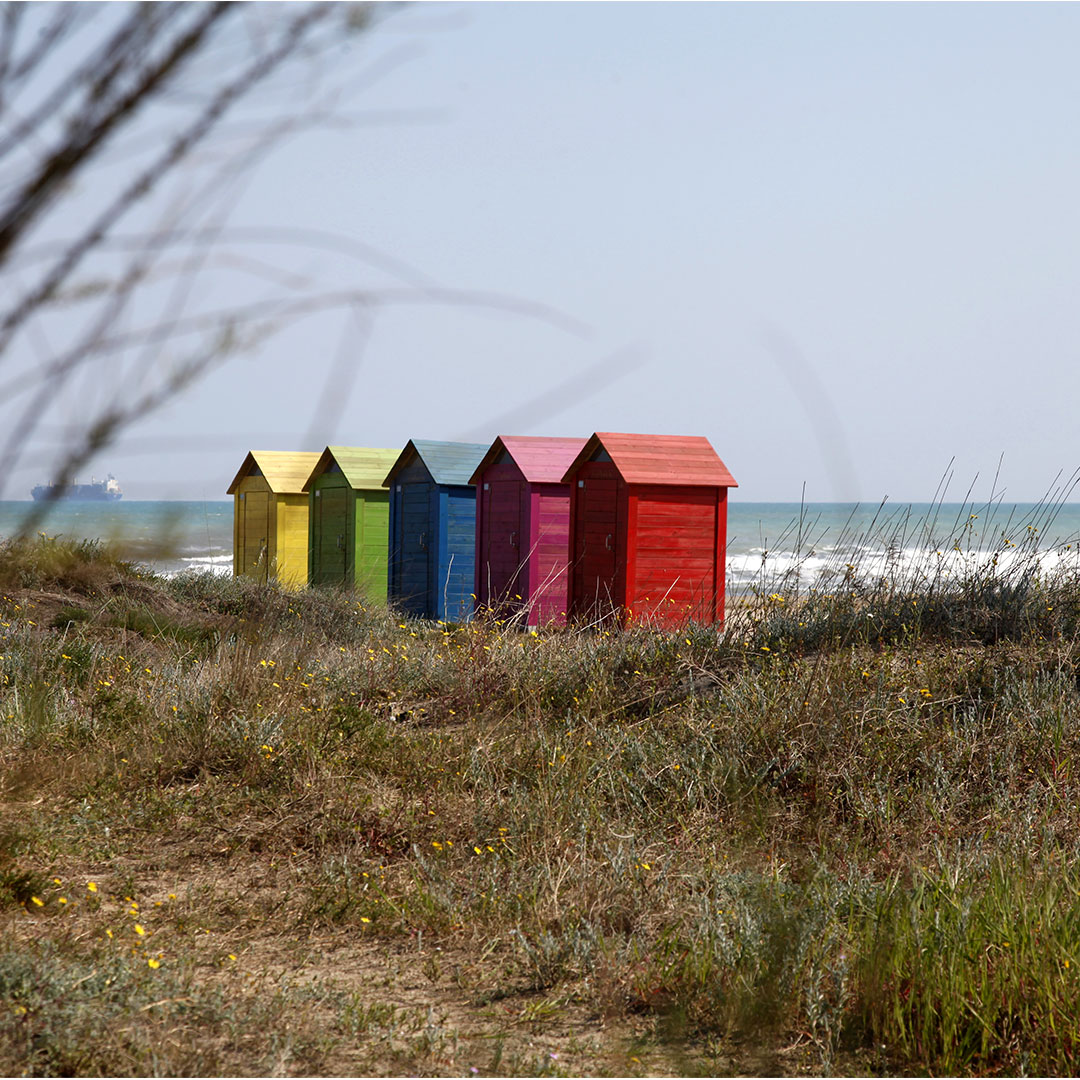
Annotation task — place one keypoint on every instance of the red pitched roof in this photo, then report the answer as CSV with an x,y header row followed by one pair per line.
x,y
658,459
542,460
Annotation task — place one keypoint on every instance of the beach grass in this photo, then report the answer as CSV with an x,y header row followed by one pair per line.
x,y
249,831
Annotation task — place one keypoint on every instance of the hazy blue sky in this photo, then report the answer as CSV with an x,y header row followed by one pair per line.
x,y
841,241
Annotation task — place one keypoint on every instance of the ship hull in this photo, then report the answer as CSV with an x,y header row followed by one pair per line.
x,y
76,493
69,497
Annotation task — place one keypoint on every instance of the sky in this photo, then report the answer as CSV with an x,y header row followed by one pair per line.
x,y
839,240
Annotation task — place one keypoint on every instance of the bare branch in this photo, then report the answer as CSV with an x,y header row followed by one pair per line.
x,y
10,25
90,132
338,385
147,179
264,235
278,311
154,57
63,23
112,420
49,376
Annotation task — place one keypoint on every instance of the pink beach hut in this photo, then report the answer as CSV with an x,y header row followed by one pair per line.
x,y
523,526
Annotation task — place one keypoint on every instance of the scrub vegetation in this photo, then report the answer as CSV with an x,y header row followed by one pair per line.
x,y
249,831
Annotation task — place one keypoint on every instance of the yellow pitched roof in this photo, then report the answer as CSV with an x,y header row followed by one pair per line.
x,y
365,467
285,471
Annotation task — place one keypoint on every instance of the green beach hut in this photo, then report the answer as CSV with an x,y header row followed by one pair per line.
x,y
349,519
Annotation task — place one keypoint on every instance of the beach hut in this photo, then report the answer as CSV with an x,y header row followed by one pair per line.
x,y
270,516
648,529
523,526
432,551
349,519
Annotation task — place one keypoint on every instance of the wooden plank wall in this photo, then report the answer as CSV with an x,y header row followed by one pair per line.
x,y
673,540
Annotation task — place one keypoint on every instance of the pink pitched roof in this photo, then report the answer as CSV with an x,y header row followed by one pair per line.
x,y
542,460
658,459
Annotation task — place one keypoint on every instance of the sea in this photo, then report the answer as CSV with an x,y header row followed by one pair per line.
x,y
770,545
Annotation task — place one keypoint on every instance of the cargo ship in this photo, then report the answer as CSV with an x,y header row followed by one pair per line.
x,y
107,490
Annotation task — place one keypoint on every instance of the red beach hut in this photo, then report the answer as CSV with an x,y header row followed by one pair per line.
x,y
523,526
648,529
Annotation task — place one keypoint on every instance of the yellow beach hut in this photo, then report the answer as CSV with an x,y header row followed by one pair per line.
x,y
270,516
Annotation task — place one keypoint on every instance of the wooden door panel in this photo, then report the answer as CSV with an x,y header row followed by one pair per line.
x,y
503,545
331,536
415,544
596,547
256,534
372,537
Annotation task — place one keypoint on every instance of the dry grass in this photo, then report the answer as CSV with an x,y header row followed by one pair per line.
x,y
361,844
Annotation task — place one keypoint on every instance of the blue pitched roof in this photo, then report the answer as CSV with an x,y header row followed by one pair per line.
x,y
448,462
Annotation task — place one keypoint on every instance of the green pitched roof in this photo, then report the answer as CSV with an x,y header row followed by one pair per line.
x,y
448,462
364,466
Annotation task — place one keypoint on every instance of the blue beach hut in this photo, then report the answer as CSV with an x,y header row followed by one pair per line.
x,y
432,554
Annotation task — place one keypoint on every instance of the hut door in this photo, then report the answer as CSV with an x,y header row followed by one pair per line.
x,y
255,535
331,536
595,546
505,551
416,542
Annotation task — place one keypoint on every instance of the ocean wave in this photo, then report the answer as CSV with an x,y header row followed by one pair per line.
x,y
220,565
904,566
